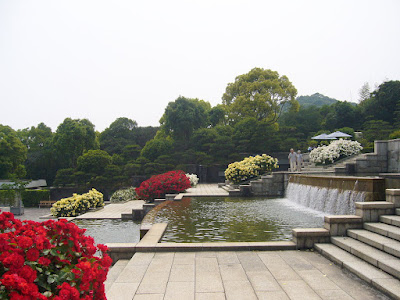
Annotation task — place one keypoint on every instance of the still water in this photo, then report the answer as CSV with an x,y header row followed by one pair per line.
x,y
213,219
110,231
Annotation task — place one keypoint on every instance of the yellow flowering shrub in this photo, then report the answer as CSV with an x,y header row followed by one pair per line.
x,y
77,204
250,167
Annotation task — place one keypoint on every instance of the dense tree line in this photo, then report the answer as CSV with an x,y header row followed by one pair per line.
x,y
259,113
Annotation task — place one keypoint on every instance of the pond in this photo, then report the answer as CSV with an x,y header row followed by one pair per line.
x,y
216,219
110,231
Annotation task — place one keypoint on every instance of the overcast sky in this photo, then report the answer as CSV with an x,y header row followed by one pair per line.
x,y
107,59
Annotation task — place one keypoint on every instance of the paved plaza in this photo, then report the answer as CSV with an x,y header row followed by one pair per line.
x,y
236,275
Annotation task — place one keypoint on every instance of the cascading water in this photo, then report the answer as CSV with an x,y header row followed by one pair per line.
x,y
328,200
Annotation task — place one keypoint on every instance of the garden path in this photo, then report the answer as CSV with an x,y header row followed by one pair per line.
x,y
113,210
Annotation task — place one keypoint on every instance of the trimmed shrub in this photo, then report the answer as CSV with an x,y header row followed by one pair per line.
x,y
32,198
250,167
77,204
123,195
159,185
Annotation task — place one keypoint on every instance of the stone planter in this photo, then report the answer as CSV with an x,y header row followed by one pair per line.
x,y
17,210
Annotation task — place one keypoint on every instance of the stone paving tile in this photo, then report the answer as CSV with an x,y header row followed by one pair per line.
x,y
334,295
209,283
277,266
210,296
263,281
184,258
233,272
113,210
298,290
242,290
206,190
317,280
279,295
296,261
148,297
141,258
207,265
182,273
227,257
122,291
206,254
179,290
251,261
132,274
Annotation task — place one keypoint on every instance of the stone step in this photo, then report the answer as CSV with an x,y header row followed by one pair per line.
x,y
387,230
391,220
378,241
374,276
114,272
398,211
384,261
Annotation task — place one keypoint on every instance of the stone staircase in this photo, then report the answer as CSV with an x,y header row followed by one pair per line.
x,y
372,253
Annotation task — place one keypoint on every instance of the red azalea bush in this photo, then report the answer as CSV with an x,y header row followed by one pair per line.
x,y
159,185
49,260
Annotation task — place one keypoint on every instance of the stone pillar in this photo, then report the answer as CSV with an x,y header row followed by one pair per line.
x,y
393,196
338,225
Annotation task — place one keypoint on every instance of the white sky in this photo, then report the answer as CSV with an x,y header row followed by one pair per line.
x,y
107,59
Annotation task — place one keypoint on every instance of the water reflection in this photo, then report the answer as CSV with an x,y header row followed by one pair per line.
x,y
210,219
110,231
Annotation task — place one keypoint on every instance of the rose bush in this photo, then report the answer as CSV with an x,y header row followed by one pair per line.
x,y
123,195
250,167
166,183
334,151
49,260
77,204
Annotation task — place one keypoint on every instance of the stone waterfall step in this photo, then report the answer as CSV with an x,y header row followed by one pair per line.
x,y
384,261
390,231
374,276
391,220
378,241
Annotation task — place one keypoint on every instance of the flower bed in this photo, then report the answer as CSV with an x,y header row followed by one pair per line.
x,y
77,204
250,167
49,260
123,195
334,151
159,185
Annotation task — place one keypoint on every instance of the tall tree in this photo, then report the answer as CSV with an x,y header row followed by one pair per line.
x,y
259,94
12,154
364,93
182,117
119,134
71,139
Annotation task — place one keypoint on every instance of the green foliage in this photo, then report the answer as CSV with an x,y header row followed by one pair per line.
x,y
65,177
118,135
32,198
182,117
156,147
12,154
395,135
384,103
94,162
317,100
123,195
259,94
72,139
7,197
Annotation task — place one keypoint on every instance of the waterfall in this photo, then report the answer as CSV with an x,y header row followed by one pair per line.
x,y
328,200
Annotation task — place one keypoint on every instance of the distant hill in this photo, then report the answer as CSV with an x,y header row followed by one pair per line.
x,y
316,99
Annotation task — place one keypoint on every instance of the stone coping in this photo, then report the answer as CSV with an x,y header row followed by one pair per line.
x,y
211,246
339,219
375,205
309,232
393,192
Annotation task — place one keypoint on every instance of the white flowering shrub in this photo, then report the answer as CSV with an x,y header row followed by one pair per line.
x,y
334,151
123,195
193,179
77,204
250,167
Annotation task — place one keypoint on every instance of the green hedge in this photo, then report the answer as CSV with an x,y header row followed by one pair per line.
x,y
31,198
6,197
